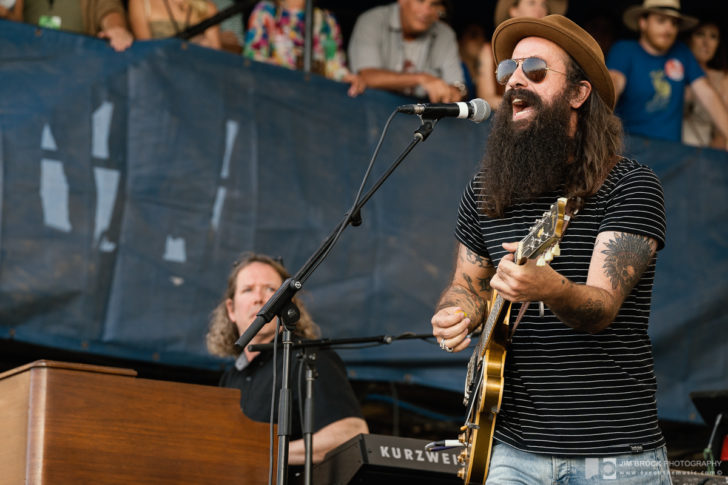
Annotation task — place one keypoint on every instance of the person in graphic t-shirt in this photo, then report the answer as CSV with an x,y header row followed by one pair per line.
x,y
650,74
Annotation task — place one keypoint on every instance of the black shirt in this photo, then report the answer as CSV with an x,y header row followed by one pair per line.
x,y
333,396
568,392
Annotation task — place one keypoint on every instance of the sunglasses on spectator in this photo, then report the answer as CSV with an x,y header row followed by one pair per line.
x,y
534,69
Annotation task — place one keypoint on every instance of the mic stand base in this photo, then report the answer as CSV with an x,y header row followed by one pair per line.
x,y
309,360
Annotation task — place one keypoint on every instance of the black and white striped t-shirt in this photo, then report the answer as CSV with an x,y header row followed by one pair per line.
x,y
569,392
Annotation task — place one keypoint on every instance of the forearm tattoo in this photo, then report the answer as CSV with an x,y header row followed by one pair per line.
x,y
481,262
627,257
477,259
485,284
473,304
583,316
469,281
469,292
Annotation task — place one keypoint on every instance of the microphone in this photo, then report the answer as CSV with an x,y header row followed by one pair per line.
x,y
475,110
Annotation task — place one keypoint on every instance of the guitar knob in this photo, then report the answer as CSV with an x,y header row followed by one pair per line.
x,y
556,250
548,256
541,261
461,474
462,456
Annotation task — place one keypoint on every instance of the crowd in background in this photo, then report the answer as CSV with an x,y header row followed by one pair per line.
x,y
671,82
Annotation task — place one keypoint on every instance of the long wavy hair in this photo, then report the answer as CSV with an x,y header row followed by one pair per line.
x,y
597,141
223,333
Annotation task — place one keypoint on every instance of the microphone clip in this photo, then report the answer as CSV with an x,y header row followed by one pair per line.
x,y
425,129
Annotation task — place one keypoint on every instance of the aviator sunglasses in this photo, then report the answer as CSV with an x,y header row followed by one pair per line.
x,y
533,67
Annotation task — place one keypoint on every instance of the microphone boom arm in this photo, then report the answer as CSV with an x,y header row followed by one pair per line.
x,y
291,286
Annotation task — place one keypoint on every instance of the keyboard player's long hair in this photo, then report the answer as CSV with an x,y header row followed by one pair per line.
x,y
223,333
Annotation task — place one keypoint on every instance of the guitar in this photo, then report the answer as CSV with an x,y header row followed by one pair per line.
x,y
484,380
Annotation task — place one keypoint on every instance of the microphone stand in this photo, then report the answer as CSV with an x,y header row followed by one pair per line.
x,y
200,27
289,316
308,37
309,361
708,451
280,303
237,8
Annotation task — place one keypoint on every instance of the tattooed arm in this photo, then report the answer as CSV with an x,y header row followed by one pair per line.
x,y
617,264
463,304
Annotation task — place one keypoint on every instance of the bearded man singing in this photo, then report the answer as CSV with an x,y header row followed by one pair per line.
x,y
579,396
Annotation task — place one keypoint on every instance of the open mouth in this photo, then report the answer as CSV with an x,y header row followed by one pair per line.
x,y
521,108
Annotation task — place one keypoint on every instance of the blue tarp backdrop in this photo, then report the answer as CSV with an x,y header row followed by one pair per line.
x,y
131,181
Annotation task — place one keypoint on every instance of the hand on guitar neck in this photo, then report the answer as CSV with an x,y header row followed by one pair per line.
x,y
526,281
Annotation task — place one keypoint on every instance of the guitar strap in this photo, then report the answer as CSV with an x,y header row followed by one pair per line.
x,y
571,209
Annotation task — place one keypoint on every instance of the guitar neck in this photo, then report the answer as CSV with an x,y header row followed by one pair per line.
x,y
522,254
495,311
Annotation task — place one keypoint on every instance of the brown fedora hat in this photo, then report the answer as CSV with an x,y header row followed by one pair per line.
x,y
567,35
670,8
503,7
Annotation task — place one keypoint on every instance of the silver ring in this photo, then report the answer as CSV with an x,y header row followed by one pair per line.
x,y
444,347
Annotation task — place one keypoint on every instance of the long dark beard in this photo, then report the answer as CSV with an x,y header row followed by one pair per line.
x,y
525,159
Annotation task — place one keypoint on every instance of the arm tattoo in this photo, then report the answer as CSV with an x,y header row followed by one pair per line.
x,y
469,281
591,311
476,259
473,304
464,293
485,284
627,257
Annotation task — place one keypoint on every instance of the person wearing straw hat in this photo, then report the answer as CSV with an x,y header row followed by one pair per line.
x,y
487,87
579,386
650,74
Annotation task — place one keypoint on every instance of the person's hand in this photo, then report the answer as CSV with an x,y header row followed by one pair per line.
x,y
524,282
119,38
438,91
357,84
451,326
486,61
229,42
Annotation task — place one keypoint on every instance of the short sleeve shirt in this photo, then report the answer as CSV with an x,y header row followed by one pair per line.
x,y
651,104
377,42
568,392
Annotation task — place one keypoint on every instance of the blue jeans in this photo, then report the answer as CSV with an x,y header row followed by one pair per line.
x,y
509,466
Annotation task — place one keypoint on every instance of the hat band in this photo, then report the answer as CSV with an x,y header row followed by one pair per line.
x,y
671,9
